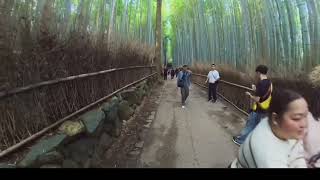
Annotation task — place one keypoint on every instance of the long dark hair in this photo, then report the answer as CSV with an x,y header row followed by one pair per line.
x,y
281,98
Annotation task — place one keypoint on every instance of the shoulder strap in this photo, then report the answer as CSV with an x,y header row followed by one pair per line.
x,y
314,159
269,91
251,151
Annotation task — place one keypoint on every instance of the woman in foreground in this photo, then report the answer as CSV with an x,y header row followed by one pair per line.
x,y
277,140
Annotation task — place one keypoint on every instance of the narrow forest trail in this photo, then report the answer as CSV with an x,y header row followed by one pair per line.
x,y
196,137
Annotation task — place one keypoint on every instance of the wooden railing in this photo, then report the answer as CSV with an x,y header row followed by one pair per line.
x,y
74,95
226,82
234,85
15,91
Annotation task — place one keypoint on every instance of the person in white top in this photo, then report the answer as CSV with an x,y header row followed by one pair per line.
x,y
213,79
277,141
312,140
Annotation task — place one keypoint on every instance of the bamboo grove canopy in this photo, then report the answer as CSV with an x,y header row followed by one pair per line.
x,y
101,19
284,34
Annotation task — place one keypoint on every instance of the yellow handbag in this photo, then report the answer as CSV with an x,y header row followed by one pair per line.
x,y
266,103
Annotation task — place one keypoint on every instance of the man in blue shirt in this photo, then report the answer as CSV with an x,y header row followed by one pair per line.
x,y
184,83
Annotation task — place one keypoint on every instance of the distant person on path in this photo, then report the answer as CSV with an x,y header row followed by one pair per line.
x,y
165,73
183,83
213,79
177,71
312,139
277,141
172,73
261,99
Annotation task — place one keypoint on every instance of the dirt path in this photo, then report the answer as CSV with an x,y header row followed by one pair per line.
x,y
163,135
196,137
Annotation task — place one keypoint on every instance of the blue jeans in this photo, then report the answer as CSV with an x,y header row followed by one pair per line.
x,y
253,120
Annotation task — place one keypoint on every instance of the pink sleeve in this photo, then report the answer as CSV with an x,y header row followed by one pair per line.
x,y
311,141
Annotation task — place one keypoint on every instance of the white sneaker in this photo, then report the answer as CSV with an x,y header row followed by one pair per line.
x,y
183,107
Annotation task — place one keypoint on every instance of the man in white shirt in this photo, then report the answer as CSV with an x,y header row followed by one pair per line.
x,y
213,78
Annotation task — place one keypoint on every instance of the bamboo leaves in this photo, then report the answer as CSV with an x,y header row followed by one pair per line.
x,y
283,34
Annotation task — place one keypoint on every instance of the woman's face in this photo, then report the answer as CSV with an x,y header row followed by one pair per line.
x,y
294,121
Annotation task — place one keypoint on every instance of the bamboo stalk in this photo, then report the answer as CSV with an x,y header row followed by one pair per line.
x,y
56,81
42,132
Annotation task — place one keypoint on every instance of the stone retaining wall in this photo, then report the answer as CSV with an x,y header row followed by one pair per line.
x,y
76,142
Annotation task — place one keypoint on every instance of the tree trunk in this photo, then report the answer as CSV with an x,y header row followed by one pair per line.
x,y
149,23
303,11
246,29
111,23
5,42
158,36
45,25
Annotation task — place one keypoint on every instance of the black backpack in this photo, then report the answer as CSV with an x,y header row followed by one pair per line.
x,y
181,81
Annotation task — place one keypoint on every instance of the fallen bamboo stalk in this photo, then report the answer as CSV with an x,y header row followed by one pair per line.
x,y
15,91
45,130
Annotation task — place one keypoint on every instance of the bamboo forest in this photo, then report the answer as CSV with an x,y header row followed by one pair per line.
x,y
83,80
241,33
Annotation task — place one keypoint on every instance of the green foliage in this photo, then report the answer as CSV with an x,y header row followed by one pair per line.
x,y
283,34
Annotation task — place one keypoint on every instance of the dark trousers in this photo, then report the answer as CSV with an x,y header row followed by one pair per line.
x,y
165,76
184,94
213,91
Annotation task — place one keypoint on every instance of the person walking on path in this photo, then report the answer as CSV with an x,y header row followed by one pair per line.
x,y
165,73
213,79
261,99
172,73
184,83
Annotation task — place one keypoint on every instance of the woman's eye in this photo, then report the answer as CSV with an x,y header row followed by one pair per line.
x,y
296,119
